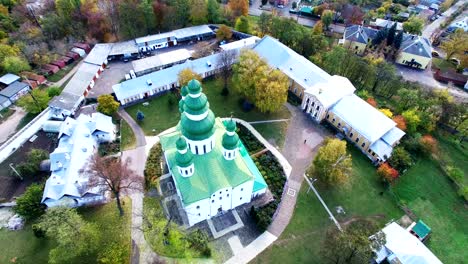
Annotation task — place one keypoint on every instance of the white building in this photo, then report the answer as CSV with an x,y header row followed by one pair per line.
x,y
404,248
461,23
78,141
211,169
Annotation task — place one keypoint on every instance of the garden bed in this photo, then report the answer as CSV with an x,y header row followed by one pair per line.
x,y
153,169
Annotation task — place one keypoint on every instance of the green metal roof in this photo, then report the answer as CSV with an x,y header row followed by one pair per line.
x,y
230,125
183,160
181,143
196,106
198,130
194,87
230,142
421,229
181,106
184,91
212,171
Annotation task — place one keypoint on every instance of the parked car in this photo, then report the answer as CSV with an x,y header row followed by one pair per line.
x,y
435,54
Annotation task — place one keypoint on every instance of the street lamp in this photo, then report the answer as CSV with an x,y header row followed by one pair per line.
x,y
16,172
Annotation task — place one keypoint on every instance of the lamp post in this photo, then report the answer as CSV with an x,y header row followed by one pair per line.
x,y
15,171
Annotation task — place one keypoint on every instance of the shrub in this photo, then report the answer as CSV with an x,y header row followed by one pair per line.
x,y
372,101
455,174
251,142
400,159
387,112
29,204
198,240
140,116
428,144
264,215
107,104
153,168
387,173
463,192
33,160
400,122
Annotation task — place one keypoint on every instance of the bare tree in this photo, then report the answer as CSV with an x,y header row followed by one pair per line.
x,y
114,174
224,62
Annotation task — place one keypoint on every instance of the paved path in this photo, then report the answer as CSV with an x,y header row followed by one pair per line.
x,y
268,121
8,127
139,134
435,26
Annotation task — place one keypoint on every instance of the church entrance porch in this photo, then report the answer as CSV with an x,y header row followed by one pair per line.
x,y
224,222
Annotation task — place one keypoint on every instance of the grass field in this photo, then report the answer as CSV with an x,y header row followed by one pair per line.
x,y
60,74
273,132
159,115
127,138
26,248
442,64
433,198
301,241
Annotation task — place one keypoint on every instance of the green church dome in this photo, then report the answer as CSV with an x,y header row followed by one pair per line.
x,y
184,160
230,142
196,106
194,87
181,144
184,91
181,105
230,125
198,130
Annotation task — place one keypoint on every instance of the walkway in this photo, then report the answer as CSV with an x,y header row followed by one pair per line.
x,y
8,127
302,140
139,134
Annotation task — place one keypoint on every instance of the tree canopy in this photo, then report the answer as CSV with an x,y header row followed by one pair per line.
x,y
29,205
107,104
414,25
187,75
456,45
35,102
332,165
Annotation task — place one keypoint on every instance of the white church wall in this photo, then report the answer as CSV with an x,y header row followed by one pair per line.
x,y
203,146
242,193
198,211
221,199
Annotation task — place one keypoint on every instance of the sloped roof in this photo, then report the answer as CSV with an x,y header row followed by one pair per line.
x,y
156,37
242,43
9,78
295,66
406,247
392,136
356,33
416,45
3,99
383,23
212,171
13,89
328,93
192,31
421,229
98,55
382,149
82,79
363,117
159,60
65,100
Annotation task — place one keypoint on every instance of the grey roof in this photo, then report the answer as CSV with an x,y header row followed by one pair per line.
x,y
416,45
393,136
13,89
295,66
3,99
9,78
65,101
192,31
382,149
160,60
363,117
357,33
162,37
82,78
98,55
163,77
125,47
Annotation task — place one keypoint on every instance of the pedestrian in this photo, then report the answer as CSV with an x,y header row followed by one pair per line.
x,y
305,140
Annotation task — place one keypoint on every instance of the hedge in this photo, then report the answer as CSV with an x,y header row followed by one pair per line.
x,y
153,168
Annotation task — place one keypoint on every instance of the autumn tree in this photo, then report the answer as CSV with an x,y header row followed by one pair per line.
x,y
271,91
15,64
246,73
198,12
225,61
387,112
213,11
400,122
414,25
387,173
107,104
224,33
72,235
112,174
428,144
187,75
332,165
243,24
456,45
412,120
327,18
354,245
371,101
35,102
239,7
400,159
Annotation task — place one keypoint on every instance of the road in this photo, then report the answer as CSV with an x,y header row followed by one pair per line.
x,y
434,26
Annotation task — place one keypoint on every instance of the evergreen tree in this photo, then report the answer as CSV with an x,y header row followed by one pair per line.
x,y
213,11
381,35
391,34
140,116
398,39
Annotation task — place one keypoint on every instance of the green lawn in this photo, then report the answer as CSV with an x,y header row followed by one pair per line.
x,y
432,197
25,120
159,115
28,249
23,246
442,64
301,241
273,132
454,153
127,138
60,74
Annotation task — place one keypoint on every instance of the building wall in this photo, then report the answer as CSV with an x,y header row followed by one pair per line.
x,y
242,193
296,88
313,107
201,147
357,47
404,57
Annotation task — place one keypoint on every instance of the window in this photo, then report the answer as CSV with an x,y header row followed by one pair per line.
x,y
313,103
204,148
229,155
339,124
328,116
363,145
369,151
220,198
196,150
212,201
318,108
220,192
241,198
199,214
198,207
333,121
357,140
373,154
242,189
227,195
351,134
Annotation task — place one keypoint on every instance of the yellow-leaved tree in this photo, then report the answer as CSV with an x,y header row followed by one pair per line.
x,y
187,75
271,91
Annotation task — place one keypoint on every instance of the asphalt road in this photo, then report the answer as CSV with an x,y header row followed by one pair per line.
x,y
434,26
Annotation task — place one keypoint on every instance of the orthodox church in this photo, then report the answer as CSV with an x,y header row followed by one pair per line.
x,y
211,168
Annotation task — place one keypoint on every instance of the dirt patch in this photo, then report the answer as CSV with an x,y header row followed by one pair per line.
x,y
8,127
356,218
10,185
